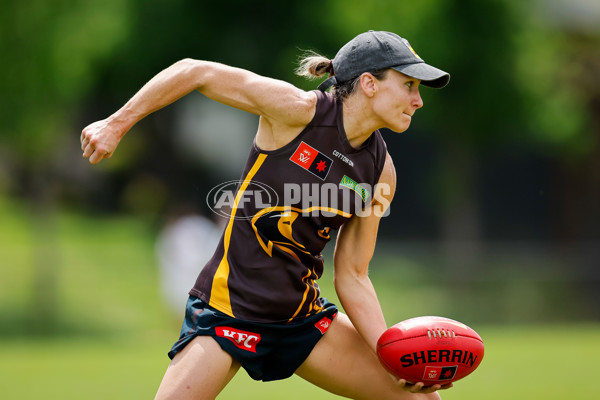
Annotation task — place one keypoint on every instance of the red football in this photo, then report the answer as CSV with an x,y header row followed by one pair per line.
x,y
430,350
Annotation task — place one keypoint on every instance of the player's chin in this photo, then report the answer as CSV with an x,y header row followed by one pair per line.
x,y
399,128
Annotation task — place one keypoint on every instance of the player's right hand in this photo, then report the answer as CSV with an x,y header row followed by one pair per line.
x,y
420,387
99,141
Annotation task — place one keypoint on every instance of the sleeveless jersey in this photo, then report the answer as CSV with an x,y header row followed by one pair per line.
x,y
269,257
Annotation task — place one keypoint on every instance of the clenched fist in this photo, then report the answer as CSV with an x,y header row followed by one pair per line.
x,y
99,140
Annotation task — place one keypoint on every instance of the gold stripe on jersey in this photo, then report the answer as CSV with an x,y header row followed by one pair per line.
x,y
308,286
219,295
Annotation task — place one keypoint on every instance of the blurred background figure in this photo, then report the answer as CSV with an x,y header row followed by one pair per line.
x,y
183,246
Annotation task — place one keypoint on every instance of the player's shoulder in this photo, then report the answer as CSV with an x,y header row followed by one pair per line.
x,y
387,178
388,174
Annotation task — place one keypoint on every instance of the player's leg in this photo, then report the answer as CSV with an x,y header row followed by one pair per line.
x,y
343,364
200,371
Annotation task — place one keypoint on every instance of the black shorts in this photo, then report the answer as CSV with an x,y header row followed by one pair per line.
x,y
266,351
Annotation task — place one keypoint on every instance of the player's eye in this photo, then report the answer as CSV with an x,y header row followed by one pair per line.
x,y
410,84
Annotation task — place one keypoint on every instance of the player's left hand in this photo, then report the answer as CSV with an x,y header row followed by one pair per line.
x,y
420,387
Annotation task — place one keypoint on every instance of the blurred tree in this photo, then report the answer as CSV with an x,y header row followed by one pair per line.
x,y
516,83
510,88
49,51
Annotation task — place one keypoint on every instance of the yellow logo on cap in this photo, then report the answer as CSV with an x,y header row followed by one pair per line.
x,y
411,49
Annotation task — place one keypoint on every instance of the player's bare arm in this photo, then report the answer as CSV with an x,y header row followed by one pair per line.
x,y
283,108
353,252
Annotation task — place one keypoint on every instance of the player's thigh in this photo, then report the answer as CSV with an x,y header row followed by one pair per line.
x,y
200,371
342,363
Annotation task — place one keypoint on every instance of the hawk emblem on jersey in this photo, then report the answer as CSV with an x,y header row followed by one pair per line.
x,y
312,160
275,228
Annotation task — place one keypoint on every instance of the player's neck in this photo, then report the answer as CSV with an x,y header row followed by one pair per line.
x,y
358,121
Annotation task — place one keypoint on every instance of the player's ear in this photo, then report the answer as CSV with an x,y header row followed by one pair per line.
x,y
368,84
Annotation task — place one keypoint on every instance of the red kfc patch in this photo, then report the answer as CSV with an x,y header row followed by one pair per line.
x,y
242,339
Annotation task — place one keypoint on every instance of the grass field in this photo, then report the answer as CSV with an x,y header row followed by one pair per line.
x,y
549,363
99,329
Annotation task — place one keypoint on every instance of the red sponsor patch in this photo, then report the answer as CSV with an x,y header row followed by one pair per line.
x,y
312,160
439,373
304,155
432,373
242,339
323,324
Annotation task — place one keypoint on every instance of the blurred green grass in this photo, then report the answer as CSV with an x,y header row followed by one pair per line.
x,y
112,330
548,362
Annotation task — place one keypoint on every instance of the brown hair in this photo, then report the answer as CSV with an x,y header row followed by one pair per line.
x,y
313,65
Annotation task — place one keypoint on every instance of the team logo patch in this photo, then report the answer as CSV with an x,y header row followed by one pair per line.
x,y
359,189
323,325
410,48
312,160
242,339
439,373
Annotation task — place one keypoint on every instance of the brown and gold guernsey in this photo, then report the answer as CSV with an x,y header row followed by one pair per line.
x,y
269,258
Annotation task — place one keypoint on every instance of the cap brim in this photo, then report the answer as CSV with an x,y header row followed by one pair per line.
x,y
429,76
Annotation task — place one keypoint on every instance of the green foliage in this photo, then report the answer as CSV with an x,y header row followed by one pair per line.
x,y
50,52
507,77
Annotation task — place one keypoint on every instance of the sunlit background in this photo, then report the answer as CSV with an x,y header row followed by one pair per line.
x,y
495,222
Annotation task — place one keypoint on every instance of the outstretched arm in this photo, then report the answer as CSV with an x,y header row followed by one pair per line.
x,y
353,252
280,104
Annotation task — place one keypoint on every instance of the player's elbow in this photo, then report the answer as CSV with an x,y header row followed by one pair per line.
x,y
350,276
194,72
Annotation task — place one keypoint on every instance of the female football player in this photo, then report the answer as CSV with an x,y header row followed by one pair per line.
x,y
256,303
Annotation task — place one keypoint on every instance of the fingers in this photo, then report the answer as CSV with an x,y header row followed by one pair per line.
x,y
88,150
96,157
95,154
420,387
92,148
411,387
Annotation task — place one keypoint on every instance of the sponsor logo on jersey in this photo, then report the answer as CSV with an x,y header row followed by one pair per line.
x,y
343,158
242,339
312,160
358,188
439,373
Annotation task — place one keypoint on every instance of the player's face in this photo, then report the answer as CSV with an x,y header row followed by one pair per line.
x,y
397,100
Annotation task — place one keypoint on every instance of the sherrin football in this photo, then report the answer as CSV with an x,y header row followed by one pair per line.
x,y
430,350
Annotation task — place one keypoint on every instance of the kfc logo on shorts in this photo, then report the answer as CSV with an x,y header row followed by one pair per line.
x,y
323,325
242,339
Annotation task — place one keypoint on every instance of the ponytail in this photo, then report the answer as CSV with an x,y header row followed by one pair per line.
x,y
313,65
